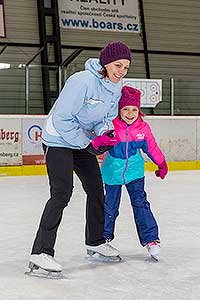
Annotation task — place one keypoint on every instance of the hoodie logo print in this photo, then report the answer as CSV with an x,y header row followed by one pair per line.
x,y
93,101
140,136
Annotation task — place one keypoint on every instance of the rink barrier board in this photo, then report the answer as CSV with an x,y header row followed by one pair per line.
x,y
29,170
21,150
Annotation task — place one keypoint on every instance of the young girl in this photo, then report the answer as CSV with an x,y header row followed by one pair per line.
x,y
124,165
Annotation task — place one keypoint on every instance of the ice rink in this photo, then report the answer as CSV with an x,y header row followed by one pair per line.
x,y
175,202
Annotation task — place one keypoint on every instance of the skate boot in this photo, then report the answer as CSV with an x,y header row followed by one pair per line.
x,y
44,265
104,252
154,249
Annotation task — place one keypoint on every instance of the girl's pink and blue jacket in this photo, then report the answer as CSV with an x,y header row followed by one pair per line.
x,y
124,162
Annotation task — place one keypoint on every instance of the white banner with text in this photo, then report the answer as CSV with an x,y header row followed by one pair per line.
x,y
106,15
10,141
32,152
2,21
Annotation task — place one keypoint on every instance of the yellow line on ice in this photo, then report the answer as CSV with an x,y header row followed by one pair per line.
x,y
41,169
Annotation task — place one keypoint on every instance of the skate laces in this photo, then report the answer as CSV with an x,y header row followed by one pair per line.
x,y
48,257
108,246
154,243
153,247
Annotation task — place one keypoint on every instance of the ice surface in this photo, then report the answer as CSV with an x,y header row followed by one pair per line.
x,y
176,204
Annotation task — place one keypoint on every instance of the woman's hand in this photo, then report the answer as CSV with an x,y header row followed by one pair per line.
x,y
102,143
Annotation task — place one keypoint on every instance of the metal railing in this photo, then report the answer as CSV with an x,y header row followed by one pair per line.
x,y
21,91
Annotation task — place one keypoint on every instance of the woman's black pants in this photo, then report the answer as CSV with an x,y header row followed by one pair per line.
x,y
61,162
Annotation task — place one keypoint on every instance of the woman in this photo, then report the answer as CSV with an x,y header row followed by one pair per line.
x,y
86,105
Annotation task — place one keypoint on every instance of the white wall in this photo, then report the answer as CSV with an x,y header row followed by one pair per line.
x,y
178,137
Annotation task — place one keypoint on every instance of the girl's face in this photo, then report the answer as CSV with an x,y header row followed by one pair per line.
x,y
117,69
129,114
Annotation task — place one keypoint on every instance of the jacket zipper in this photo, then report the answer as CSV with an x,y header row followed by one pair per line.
x,y
126,166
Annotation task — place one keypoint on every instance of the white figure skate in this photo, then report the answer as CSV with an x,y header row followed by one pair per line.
x,y
154,250
104,252
44,265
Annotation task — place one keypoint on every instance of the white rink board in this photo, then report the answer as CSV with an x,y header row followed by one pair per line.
x,y
178,137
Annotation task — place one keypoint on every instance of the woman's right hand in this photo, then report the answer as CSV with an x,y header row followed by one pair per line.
x,y
102,143
106,139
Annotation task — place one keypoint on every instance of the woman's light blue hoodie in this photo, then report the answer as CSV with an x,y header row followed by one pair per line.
x,y
86,104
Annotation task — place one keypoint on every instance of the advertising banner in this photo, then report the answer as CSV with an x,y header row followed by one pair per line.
x,y
2,21
106,15
32,152
10,142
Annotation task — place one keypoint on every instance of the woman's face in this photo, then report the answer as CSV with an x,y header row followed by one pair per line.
x,y
117,69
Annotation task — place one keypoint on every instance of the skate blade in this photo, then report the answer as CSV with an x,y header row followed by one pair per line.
x,y
94,256
154,258
39,272
45,274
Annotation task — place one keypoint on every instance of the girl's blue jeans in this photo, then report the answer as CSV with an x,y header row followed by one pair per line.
x,y
146,224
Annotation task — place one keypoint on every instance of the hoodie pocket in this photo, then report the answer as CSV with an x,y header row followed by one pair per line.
x,y
95,109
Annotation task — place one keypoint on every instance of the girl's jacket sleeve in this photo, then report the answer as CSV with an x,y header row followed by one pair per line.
x,y
70,101
151,148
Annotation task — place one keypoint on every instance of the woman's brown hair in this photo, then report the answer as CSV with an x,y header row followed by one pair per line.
x,y
103,72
